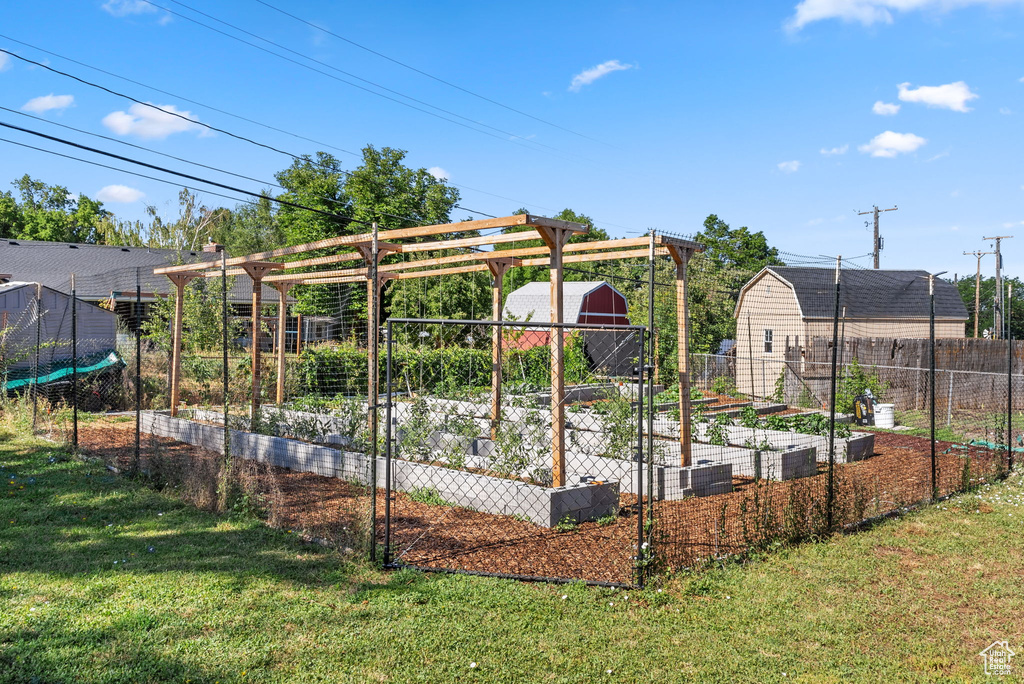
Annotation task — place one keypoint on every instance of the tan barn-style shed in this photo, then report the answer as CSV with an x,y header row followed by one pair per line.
x,y
787,305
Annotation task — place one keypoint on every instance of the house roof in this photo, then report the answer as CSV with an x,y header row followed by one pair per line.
x,y
533,300
101,269
867,293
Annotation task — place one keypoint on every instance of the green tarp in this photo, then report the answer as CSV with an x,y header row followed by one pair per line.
x,y
61,370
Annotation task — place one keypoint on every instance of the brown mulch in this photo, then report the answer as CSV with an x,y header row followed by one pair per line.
x,y
453,538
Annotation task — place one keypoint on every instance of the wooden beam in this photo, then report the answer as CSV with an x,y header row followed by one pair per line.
x,y
180,280
498,267
480,241
344,275
282,322
555,238
681,256
352,240
257,270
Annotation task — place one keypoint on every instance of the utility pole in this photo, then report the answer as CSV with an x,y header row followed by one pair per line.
x,y
997,320
977,289
878,240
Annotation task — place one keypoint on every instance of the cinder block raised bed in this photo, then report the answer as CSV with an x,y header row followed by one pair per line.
x,y
545,506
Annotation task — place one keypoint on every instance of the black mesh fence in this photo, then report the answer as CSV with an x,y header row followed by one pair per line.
x,y
700,410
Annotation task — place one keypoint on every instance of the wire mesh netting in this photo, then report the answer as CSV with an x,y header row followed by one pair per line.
x,y
498,465
707,408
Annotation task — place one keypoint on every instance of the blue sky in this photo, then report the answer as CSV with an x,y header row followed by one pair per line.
x,y
785,117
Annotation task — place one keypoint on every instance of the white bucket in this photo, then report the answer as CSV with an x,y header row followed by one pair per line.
x,y
885,416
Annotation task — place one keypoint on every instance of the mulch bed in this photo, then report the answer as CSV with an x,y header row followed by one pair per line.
x,y
453,538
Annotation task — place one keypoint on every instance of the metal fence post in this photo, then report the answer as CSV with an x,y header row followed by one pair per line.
x,y
387,449
224,348
642,551
138,368
74,364
35,363
1009,381
931,382
831,495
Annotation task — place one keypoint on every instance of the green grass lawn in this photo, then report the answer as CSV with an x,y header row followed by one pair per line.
x,y
103,580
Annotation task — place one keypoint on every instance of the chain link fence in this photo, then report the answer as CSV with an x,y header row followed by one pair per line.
x,y
808,398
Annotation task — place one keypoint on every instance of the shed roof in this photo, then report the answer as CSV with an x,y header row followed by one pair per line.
x,y
533,300
101,269
867,293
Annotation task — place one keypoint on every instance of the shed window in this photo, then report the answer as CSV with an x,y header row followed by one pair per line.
x,y
767,340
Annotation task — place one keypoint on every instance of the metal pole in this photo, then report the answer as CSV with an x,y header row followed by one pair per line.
x,y
830,502
387,453
371,371
74,364
652,352
224,349
949,401
35,365
641,551
138,367
1009,380
931,382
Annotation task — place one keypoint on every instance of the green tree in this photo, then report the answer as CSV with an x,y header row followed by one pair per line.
x,y
51,213
987,305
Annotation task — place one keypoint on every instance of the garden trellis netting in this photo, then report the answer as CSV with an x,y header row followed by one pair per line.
x,y
461,399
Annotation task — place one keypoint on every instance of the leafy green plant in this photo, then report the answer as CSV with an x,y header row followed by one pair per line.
x,y
749,417
723,419
716,434
429,496
620,427
566,524
853,382
723,384
607,520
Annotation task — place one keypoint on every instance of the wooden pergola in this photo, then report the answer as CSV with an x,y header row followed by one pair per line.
x,y
371,248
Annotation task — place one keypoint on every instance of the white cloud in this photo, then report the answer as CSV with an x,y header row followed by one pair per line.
x,y
789,166
885,108
868,12
45,103
121,194
588,76
889,144
438,173
147,122
1005,111
953,96
842,149
124,8
5,61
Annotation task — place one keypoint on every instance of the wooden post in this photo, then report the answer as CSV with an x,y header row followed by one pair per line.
x,y
180,280
298,335
498,266
282,287
256,271
373,251
555,238
681,256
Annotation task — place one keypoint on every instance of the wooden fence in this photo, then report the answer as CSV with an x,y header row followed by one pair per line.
x,y
970,373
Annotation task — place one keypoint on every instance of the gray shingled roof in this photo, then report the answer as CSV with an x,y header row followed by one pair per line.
x,y
871,293
533,301
100,269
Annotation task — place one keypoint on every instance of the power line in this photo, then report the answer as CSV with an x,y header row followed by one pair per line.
x,y
180,174
147,104
174,95
503,133
221,111
131,173
424,73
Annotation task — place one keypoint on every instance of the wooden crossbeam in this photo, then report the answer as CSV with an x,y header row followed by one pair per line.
x,y
396,234
480,256
360,274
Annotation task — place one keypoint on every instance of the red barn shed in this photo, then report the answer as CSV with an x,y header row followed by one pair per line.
x,y
596,303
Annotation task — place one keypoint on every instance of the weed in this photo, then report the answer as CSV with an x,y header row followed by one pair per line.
x,y
429,496
566,524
